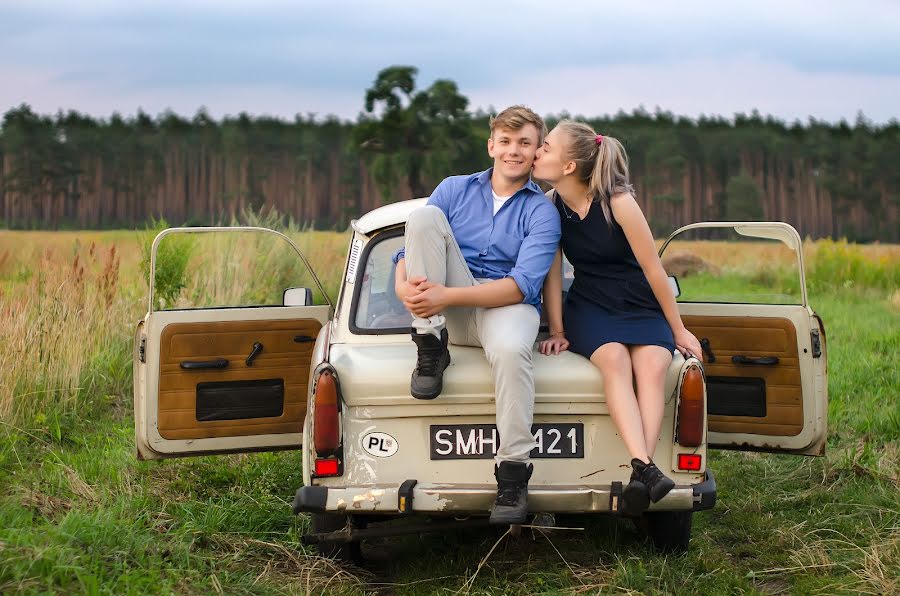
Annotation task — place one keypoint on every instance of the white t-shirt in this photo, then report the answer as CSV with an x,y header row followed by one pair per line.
x,y
498,201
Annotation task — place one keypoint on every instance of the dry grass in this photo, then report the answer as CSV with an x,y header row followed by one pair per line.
x,y
69,302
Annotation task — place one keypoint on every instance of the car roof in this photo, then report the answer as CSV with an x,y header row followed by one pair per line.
x,y
389,215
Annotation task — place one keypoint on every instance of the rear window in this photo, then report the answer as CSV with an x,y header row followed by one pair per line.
x,y
376,308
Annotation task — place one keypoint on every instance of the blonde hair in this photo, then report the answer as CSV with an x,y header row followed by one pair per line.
x,y
516,117
602,166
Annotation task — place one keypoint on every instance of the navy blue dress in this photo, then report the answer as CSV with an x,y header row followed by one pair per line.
x,y
610,299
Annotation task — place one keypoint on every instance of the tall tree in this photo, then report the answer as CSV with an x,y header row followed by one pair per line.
x,y
412,136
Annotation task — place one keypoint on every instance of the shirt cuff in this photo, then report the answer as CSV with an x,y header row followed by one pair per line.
x,y
522,282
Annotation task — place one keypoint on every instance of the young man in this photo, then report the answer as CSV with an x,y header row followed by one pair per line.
x,y
471,273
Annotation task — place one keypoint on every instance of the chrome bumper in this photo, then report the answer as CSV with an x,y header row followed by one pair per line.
x,y
477,499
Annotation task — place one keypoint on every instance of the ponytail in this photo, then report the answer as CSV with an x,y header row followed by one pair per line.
x,y
601,163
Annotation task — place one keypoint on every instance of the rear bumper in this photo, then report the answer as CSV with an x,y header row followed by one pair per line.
x,y
477,499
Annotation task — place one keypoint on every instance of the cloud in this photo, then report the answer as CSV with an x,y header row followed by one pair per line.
x,y
712,87
279,53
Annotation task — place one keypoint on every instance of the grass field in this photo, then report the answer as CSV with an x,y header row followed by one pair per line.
x,y
78,512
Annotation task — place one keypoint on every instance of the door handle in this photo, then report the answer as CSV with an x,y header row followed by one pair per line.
x,y
204,364
257,348
707,349
762,360
302,339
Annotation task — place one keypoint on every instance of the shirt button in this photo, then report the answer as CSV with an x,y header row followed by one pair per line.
x,y
484,253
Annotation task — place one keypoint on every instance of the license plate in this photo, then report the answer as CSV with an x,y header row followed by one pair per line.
x,y
480,441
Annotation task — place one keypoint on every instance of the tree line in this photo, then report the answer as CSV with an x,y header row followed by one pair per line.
x,y
72,170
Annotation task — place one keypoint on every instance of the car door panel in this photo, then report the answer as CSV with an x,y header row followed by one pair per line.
x,y
767,384
190,412
280,359
757,337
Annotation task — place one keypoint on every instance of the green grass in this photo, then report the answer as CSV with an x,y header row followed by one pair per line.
x,y
79,513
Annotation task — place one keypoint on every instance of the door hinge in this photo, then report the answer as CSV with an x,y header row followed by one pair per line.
x,y
816,343
142,349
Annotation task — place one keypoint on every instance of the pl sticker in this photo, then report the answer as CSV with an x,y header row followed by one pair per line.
x,y
380,444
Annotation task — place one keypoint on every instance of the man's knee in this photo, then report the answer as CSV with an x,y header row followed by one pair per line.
x,y
507,352
424,218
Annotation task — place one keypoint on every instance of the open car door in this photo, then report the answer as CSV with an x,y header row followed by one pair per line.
x,y
217,379
743,295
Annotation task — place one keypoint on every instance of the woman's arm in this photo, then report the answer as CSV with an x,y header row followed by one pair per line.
x,y
553,307
553,295
628,213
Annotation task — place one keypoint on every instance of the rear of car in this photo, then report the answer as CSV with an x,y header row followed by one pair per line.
x,y
274,370
386,454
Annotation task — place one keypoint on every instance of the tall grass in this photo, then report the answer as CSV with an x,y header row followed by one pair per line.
x,y
78,513
68,310
64,335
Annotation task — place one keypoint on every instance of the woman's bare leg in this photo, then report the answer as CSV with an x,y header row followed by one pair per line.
x,y
614,363
650,364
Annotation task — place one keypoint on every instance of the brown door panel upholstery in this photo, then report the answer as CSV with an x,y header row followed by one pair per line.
x,y
755,337
281,358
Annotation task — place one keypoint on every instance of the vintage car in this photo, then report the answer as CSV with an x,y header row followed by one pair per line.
x,y
333,381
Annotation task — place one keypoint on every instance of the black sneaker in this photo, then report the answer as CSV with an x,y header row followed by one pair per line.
x,y
511,505
658,484
428,377
635,496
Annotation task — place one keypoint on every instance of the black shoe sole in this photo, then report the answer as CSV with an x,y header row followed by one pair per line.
x,y
427,396
506,519
657,495
635,499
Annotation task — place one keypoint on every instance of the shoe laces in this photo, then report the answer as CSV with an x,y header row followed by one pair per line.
x,y
651,474
427,362
508,493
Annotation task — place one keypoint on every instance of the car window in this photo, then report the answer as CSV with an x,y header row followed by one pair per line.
x,y
721,265
228,269
376,307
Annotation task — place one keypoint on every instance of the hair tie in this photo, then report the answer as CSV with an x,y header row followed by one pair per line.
x,y
598,139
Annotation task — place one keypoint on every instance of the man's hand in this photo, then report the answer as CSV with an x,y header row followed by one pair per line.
x,y
427,299
408,287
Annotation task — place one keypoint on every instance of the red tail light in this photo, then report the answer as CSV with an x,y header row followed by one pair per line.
x,y
327,467
326,429
691,409
690,462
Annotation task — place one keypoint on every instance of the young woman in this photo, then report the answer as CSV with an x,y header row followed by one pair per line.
x,y
620,311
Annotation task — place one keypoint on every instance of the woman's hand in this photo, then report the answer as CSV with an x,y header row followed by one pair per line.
x,y
687,344
556,344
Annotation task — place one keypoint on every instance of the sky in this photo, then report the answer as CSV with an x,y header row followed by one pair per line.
x,y
825,59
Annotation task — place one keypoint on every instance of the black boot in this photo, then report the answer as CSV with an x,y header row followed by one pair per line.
x,y
658,484
428,377
511,505
635,495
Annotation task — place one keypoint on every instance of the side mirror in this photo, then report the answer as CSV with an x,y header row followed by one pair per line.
x,y
673,283
297,297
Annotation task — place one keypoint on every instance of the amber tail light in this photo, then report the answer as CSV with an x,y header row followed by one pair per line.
x,y
326,426
691,409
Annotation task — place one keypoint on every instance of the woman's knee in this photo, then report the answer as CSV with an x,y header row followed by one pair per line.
x,y
613,360
650,361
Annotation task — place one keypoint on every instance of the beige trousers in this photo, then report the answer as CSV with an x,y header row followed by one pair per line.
x,y
507,333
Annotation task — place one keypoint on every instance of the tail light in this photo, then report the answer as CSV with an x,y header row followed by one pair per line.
x,y
326,425
691,462
691,409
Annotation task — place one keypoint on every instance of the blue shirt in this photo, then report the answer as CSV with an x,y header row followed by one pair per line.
x,y
518,242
